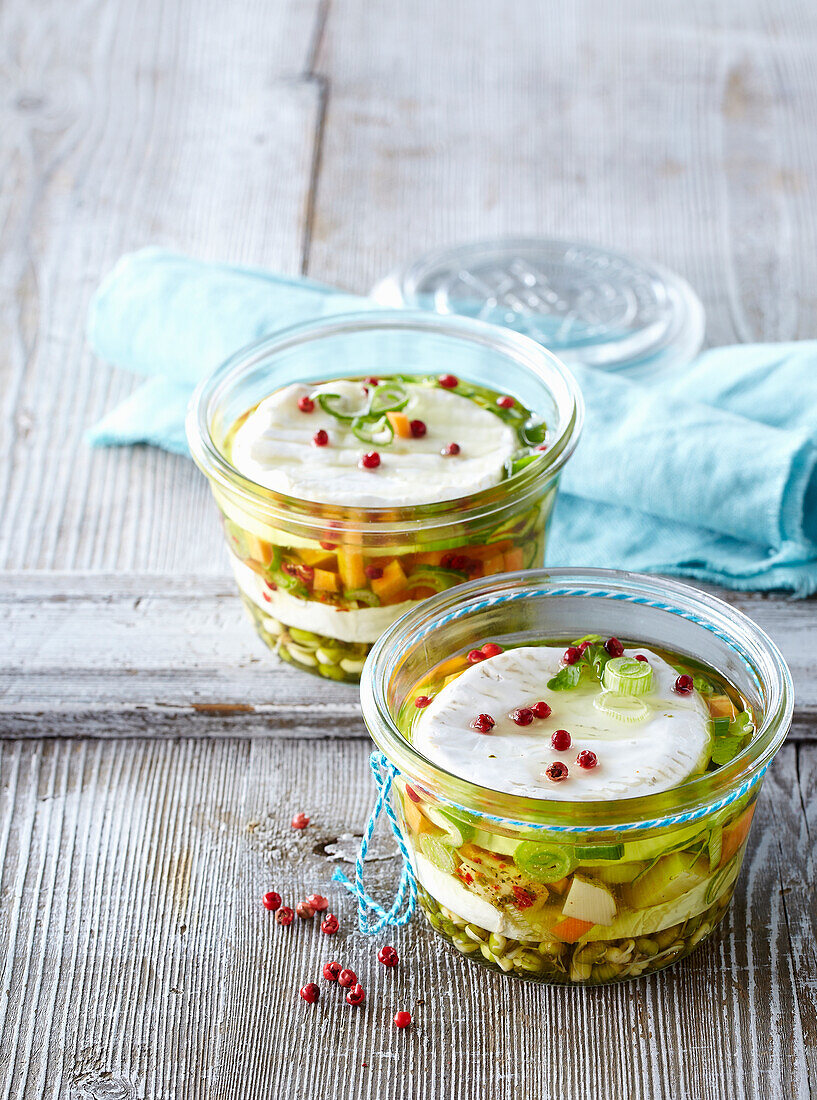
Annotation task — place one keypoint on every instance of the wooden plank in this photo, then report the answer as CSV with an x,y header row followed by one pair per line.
x,y
678,132
103,655
189,124
139,961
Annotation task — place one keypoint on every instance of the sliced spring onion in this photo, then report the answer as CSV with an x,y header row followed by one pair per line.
x,y
435,577
370,430
599,851
338,406
387,397
627,676
362,595
543,862
438,853
625,708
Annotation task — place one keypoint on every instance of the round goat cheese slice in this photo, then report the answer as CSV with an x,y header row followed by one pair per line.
x,y
662,749
274,447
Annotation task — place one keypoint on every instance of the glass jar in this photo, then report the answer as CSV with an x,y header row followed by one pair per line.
x,y
663,867
303,569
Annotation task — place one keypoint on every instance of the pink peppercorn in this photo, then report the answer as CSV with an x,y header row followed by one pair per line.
x,y
614,647
571,655
505,402
448,381
586,759
304,910
318,902
320,438
483,723
306,404
370,461
272,900
541,710
331,970
285,915
356,996
402,1019
347,978
300,821
388,956
310,993
684,685
422,701
450,449
557,771
560,740
475,656
330,926
523,716
417,428
491,649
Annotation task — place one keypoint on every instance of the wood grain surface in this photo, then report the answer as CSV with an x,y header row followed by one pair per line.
x,y
141,963
339,138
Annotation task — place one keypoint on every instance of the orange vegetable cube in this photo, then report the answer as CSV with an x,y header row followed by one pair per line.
x,y
350,565
735,834
489,551
325,559
720,706
260,549
429,557
391,583
514,559
571,929
493,565
324,581
400,422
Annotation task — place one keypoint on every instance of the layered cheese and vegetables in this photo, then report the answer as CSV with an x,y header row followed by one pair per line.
x,y
597,721
381,447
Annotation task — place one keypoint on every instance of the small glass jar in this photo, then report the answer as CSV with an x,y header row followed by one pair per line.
x,y
296,561
663,867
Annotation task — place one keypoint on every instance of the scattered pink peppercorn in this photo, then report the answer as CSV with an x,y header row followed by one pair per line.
x,y
372,381
614,647
641,657
300,821
483,723
356,996
330,925
306,404
370,461
285,915
320,438
402,1019
542,447
318,902
310,993
448,381
454,561
422,701
587,759
505,402
571,655
374,572
410,791
557,771
492,649
329,546
304,910
388,956
684,685
347,978
523,716
331,971
583,646
418,429
541,710
560,740
475,656
450,449
272,900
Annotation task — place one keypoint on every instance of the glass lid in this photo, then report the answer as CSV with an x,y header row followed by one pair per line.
x,y
585,303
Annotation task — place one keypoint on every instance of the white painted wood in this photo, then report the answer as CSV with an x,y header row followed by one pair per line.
x,y
140,962
186,123
107,655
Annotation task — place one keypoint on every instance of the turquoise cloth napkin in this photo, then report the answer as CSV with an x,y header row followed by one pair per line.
x,y
710,473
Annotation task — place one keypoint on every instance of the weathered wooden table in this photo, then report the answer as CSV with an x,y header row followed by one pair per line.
x,y
153,754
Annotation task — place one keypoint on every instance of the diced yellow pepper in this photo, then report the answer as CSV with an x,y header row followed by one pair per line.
x,y
324,581
260,549
493,565
429,557
401,424
352,572
514,560
322,558
392,581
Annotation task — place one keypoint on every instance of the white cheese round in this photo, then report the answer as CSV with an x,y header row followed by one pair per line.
x,y
274,448
364,625
634,758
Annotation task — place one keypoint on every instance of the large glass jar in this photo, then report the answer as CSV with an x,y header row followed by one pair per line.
x,y
303,569
659,870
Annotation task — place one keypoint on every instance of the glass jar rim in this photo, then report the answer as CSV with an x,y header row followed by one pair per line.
x,y
527,483
686,802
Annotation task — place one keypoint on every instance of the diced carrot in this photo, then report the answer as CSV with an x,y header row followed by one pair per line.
x,y
416,819
350,564
391,583
493,565
721,706
489,551
571,929
429,557
260,549
514,559
401,424
325,559
735,834
324,581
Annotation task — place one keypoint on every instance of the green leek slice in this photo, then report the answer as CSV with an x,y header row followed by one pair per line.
x,y
387,397
334,404
543,862
369,430
627,676
624,708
